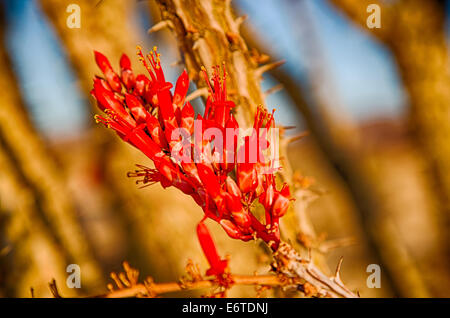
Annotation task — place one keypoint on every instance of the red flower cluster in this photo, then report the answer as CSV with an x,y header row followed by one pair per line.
x,y
145,113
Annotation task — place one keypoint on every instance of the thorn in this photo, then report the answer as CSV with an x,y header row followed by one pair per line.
x,y
196,45
288,127
197,93
54,289
176,63
161,25
337,276
296,137
273,90
116,279
267,67
124,280
240,20
326,246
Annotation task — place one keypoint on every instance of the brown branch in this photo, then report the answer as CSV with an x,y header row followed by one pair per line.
x,y
128,285
54,289
292,272
162,288
290,263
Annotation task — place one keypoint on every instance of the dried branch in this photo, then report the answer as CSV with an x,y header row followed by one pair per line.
x,y
309,280
54,289
162,288
292,272
289,262
128,286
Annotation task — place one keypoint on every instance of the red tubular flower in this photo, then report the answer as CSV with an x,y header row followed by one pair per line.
x,y
136,108
110,75
281,202
187,118
127,74
218,266
222,177
181,89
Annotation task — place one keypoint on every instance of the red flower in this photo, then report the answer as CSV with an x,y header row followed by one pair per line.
x,y
217,170
218,266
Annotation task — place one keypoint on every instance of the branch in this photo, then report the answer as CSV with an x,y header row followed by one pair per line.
x,y
128,285
289,262
153,289
292,272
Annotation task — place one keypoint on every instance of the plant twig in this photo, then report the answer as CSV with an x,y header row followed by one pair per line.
x,y
162,288
291,272
289,262
54,289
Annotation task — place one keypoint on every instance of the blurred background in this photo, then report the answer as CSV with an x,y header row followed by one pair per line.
x,y
376,103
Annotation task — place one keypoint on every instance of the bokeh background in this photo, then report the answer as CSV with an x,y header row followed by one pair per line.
x,y
376,103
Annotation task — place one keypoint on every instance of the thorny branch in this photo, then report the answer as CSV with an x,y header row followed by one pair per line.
x,y
314,284
209,35
289,262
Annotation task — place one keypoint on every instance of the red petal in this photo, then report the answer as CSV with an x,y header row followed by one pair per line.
x,y
125,63
142,85
232,230
280,205
166,107
102,61
112,78
209,249
136,108
156,132
232,188
209,179
247,177
187,118
107,100
181,89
